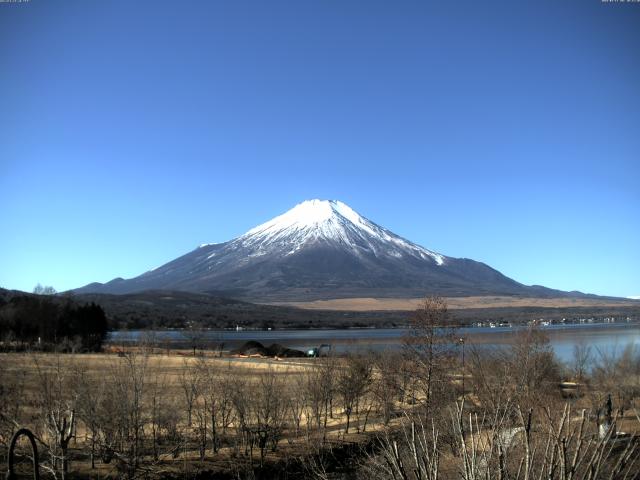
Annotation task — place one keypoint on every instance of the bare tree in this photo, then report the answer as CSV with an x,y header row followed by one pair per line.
x,y
57,408
582,357
44,290
428,348
189,378
260,410
491,379
205,394
194,333
320,389
316,397
124,412
352,383
239,395
90,392
158,407
556,445
411,455
387,383
534,369
617,374
224,415
297,400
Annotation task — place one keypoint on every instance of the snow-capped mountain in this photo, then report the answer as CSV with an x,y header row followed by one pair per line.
x,y
329,222
318,249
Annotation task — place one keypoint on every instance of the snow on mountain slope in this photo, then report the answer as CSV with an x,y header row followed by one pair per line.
x,y
329,221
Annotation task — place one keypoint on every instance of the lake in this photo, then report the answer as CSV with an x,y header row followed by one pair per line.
x,y
603,337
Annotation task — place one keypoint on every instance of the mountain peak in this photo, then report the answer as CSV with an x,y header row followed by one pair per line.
x,y
311,220
309,213
329,222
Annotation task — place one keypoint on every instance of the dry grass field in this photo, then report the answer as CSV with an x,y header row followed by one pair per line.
x,y
185,389
454,303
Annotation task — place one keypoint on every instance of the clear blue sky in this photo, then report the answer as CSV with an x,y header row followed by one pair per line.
x,y
507,132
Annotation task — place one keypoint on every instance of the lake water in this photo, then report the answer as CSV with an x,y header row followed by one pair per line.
x,y
602,337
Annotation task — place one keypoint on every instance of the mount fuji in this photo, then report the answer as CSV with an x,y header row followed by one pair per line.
x,y
321,249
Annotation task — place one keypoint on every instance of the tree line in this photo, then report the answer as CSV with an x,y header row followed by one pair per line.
x,y
48,321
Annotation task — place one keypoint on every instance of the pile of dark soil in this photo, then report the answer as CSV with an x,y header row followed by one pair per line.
x,y
252,348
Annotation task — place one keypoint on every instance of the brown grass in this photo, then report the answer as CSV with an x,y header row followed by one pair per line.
x,y
454,303
169,367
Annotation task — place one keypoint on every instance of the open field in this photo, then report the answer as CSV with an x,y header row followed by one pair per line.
x,y
456,303
186,404
143,412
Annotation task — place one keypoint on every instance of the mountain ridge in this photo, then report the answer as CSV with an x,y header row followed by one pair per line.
x,y
321,249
